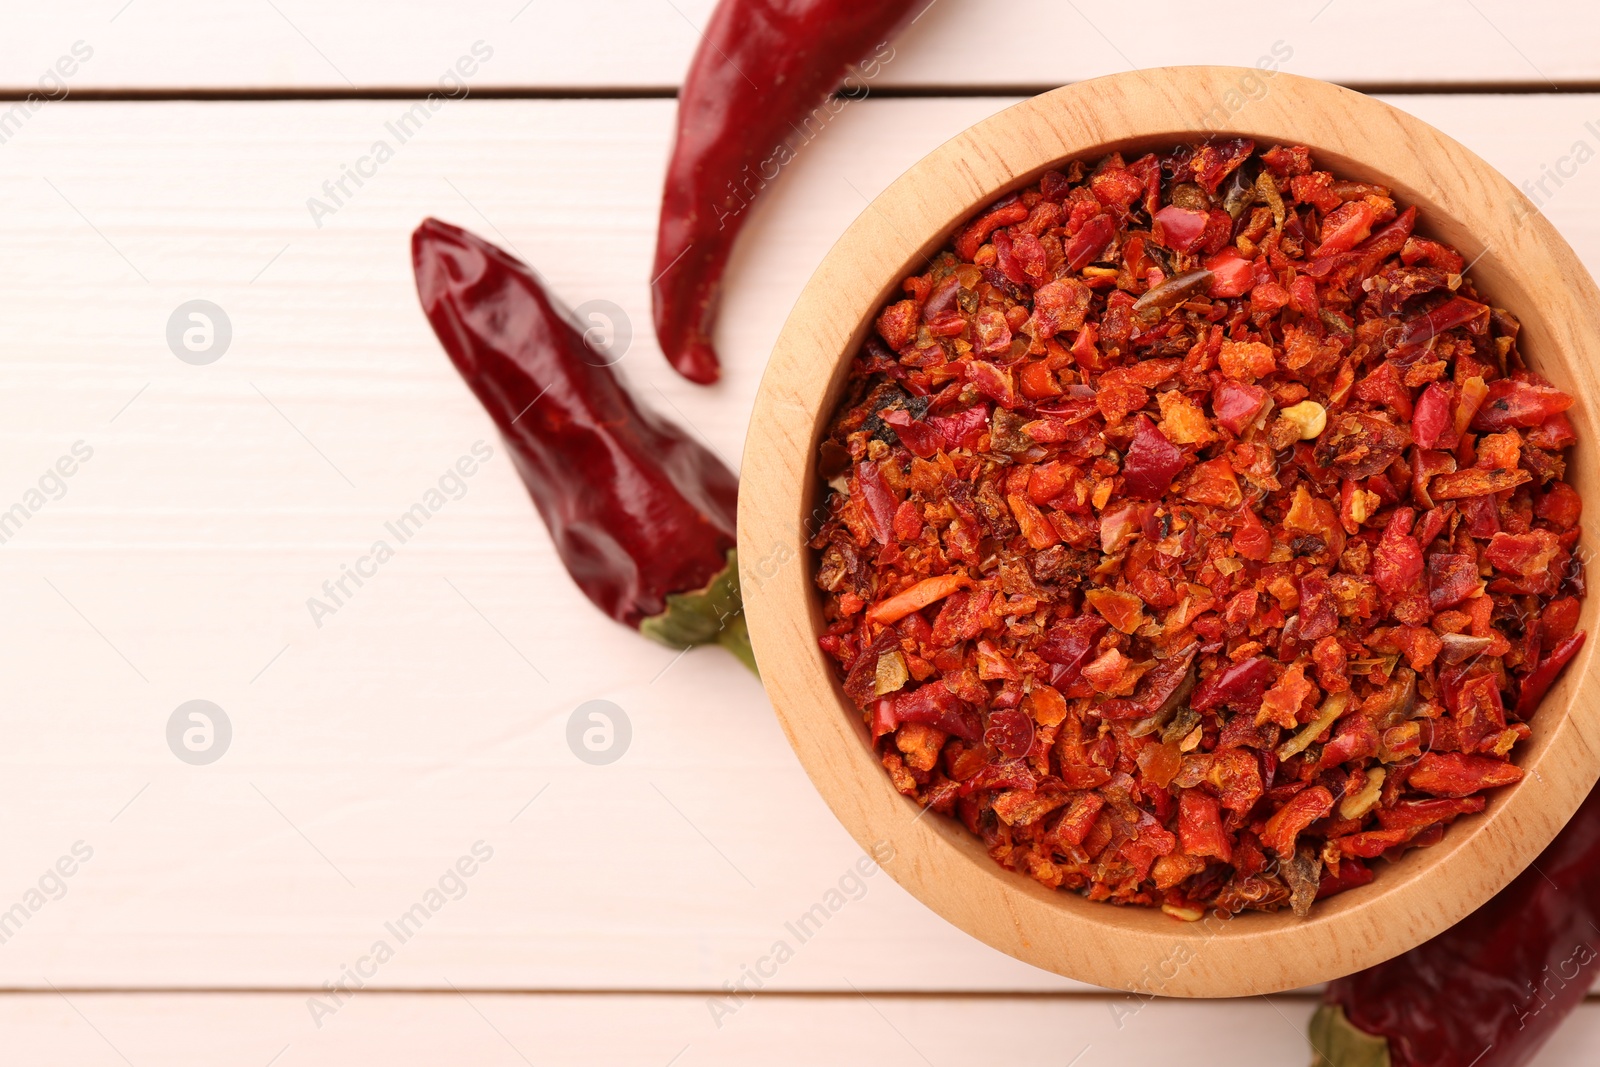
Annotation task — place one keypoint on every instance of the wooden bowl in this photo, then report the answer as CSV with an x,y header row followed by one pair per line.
x,y
1518,261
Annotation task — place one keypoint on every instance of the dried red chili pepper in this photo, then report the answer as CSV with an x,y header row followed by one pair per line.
x,y
1490,990
1237,491
641,514
758,81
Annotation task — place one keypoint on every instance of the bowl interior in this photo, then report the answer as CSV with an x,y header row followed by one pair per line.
x,y
1517,262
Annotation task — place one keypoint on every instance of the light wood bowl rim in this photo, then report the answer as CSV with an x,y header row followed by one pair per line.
x,y
1523,264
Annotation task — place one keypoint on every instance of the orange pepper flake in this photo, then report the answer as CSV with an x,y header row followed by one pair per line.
x,y
1124,611
1184,422
1281,704
1246,361
1046,705
1107,673
1213,482
928,591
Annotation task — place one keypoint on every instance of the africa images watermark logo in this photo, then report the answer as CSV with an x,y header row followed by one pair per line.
x,y
850,886
451,885
451,485
599,732
341,189
50,886
199,732
856,86
51,486
52,86
199,332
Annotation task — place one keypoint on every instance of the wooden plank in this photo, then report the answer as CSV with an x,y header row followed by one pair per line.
x,y
87,1030
177,1030
430,710
303,45
409,725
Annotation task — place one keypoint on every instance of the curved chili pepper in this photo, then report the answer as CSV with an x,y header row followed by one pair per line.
x,y
1490,990
641,514
756,87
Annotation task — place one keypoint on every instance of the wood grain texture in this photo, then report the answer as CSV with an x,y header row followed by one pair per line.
x,y
491,1030
1519,258
406,728
300,45
494,1029
408,725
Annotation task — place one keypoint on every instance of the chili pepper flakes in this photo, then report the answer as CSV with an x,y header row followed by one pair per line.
x,y
1197,533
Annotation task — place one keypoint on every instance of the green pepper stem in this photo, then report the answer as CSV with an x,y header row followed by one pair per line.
x,y
735,637
714,614
1338,1042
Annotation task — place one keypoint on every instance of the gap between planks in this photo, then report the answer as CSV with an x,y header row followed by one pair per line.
x,y
670,92
1087,995
1083,996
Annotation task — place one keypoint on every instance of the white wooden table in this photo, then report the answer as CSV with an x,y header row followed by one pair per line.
x,y
427,716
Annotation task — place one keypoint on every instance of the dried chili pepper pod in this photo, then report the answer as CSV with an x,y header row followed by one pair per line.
x,y
641,514
1490,990
758,83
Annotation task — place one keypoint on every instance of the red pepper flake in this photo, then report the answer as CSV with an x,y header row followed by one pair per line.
x,y
1518,403
1291,820
1199,535
1151,464
1231,274
1180,229
1240,686
1453,774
